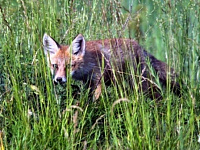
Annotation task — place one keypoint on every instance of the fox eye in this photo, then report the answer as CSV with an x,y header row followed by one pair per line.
x,y
55,66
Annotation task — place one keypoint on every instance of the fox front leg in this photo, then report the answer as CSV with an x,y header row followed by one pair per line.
x,y
97,92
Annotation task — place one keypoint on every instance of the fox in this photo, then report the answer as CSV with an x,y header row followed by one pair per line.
x,y
92,61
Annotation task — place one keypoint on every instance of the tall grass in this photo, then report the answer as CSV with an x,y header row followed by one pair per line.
x,y
36,114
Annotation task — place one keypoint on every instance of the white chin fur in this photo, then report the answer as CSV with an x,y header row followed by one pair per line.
x,y
64,80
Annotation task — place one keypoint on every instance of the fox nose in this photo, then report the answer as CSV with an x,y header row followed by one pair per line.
x,y
59,79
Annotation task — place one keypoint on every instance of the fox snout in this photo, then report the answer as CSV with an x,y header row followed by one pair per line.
x,y
59,75
60,80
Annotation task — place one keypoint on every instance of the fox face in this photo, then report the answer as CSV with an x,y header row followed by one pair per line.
x,y
57,57
63,58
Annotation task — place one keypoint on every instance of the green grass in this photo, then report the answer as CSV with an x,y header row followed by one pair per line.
x,y
36,114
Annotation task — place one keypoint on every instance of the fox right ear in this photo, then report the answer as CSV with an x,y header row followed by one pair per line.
x,y
50,45
78,45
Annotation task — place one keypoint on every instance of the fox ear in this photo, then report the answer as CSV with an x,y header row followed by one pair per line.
x,y
78,45
50,45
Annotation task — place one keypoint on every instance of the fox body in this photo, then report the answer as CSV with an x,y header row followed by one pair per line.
x,y
92,60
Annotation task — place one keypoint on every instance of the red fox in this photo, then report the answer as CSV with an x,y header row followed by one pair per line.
x,y
92,60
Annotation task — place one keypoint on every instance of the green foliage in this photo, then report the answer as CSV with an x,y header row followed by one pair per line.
x,y
36,114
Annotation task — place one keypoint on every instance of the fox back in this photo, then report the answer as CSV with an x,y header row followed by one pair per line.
x,y
93,60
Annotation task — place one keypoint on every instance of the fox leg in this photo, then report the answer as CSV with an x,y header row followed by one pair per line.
x,y
97,92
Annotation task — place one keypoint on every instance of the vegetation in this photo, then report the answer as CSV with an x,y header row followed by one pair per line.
x,y
37,114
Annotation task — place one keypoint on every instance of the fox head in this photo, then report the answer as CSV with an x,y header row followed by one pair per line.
x,y
60,58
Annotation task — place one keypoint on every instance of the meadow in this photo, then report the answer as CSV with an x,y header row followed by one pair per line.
x,y
37,114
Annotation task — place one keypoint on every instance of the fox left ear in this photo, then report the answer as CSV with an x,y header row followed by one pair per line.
x,y
50,45
78,45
